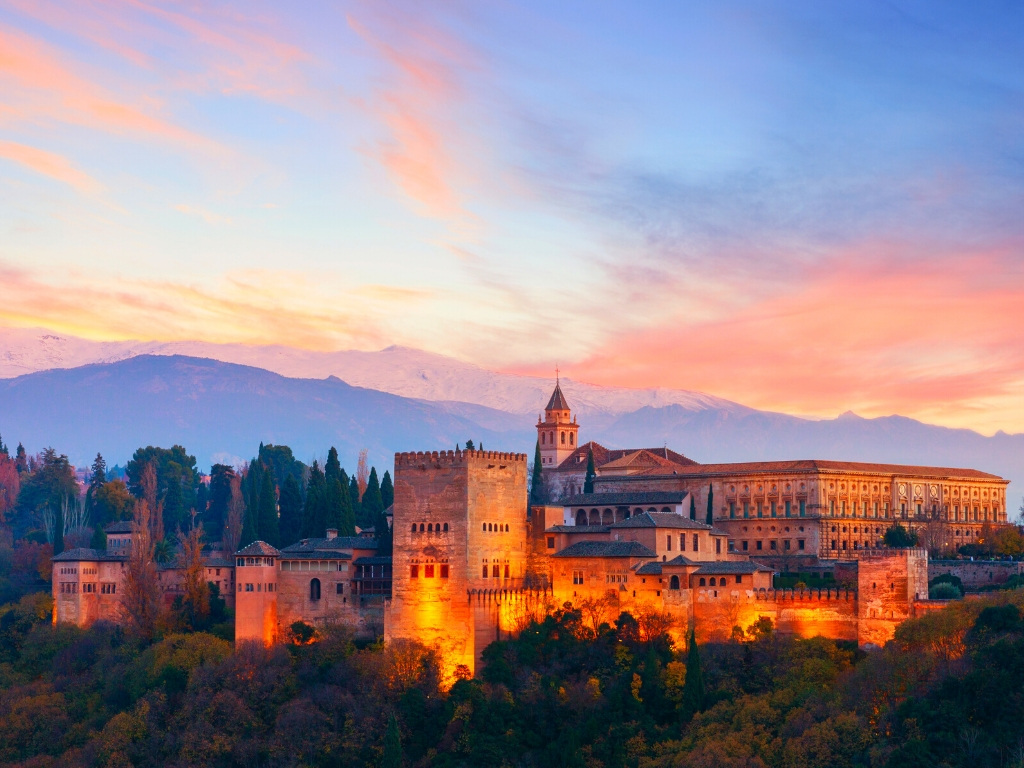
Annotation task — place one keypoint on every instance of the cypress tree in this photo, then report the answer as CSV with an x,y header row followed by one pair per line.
x,y
98,478
693,508
290,526
268,525
693,687
347,523
58,530
314,518
332,469
21,459
392,756
537,479
384,535
249,534
373,504
336,497
588,483
387,490
3,448
174,507
711,505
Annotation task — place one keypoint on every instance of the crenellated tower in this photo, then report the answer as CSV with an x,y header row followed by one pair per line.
x,y
557,430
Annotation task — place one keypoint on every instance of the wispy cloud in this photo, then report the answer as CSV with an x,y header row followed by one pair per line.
x,y
52,165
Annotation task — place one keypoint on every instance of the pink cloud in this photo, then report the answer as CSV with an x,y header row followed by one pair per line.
x,y
49,164
867,331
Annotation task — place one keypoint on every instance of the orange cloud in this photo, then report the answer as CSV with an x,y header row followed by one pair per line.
x,y
49,164
252,307
418,155
40,86
933,339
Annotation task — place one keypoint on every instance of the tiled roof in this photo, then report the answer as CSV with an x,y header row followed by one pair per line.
x,y
327,545
292,554
650,569
557,401
661,520
577,460
120,526
578,529
218,562
730,567
258,549
623,499
606,549
806,466
681,560
84,554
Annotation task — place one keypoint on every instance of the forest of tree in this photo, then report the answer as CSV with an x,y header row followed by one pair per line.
x,y
948,691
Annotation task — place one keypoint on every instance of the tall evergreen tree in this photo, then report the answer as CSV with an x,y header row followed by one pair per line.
x,y
387,490
537,479
267,522
174,506
216,516
353,497
3,448
588,482
332,469
21,458
392,755
694,693
96,479
711,505
693,508
373,504
314,516
58,530
291,511
250,531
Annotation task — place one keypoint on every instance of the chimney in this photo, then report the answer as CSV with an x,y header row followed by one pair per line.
x,y
332,533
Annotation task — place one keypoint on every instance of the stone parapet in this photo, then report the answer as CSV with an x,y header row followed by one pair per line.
x,y
453,458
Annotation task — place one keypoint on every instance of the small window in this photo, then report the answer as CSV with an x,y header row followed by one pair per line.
x,y
551,542
428,571
483,527
485,572
758,546
495,571
314,589
446,527
506,570
414,571
444,570
739,578
414,527
577,577
340,588
430,527
702,582
718,546
696,543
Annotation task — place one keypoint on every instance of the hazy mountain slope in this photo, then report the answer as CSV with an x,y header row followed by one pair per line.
x,y
398,370
220,411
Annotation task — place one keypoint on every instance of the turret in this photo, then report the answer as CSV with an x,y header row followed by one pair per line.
x,y
557,431
256,598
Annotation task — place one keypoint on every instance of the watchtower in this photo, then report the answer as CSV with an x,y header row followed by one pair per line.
x,y
256,598
557,431
459,525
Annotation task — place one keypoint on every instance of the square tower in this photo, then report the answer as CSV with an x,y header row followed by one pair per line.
x,y
557,432
459,525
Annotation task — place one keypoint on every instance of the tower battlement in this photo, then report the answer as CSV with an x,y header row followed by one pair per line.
x,y
426,459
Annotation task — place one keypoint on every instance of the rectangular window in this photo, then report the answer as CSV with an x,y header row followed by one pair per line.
x,y
485,570
340,588
551,542
506,570
746,509
732,545
577,577
773,545
803,507
444,570
494,571
758,546
746,545
785,545
696,543
773,509
789,508
668,542
718,546
249,588
739,578
833,543
428,571
732,509
414,571
682,542
800,544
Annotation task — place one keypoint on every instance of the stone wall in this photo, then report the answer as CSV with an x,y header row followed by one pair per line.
x,y
805,613
976,573
888,583
256,608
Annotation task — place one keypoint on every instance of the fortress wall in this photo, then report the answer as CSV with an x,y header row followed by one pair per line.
x,y
805,613
977,573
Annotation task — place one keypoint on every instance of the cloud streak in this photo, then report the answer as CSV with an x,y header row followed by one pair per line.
x,y
51,165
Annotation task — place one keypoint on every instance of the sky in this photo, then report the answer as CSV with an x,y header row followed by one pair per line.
x,y
804,207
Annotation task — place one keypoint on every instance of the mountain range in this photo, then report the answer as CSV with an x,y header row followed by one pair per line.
x,y
221,401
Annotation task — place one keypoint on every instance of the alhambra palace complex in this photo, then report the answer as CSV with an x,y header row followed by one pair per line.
x,y
471,561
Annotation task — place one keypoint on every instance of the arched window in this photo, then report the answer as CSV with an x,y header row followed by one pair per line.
x,y
490,527
673,582
314,589
712,581
414,527
570,438
446,527
702,582
421,527
506,527
563,438
543,438
430,527
581,517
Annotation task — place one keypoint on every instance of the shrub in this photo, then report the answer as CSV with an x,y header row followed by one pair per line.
x,y
944,591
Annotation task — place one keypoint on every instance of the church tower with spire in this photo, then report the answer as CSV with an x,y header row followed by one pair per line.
x,y
557,430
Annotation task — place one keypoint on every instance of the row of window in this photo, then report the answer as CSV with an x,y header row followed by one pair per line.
x,y
314,565
495,527
429,528
68,587
68,571
240,561
495,571
773,545
549,437
429,569
257,587
772,509
682,543
721,581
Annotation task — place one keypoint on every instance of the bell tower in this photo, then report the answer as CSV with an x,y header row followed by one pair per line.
x,y
557,431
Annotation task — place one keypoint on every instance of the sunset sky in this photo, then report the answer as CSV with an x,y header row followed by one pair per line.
x,y
806,207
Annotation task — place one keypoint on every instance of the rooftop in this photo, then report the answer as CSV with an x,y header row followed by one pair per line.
x,y
664,520
731,567
578,529
624,499
805,466
336,544
120,526
577,460
258,549
606,549
557,401
84,554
